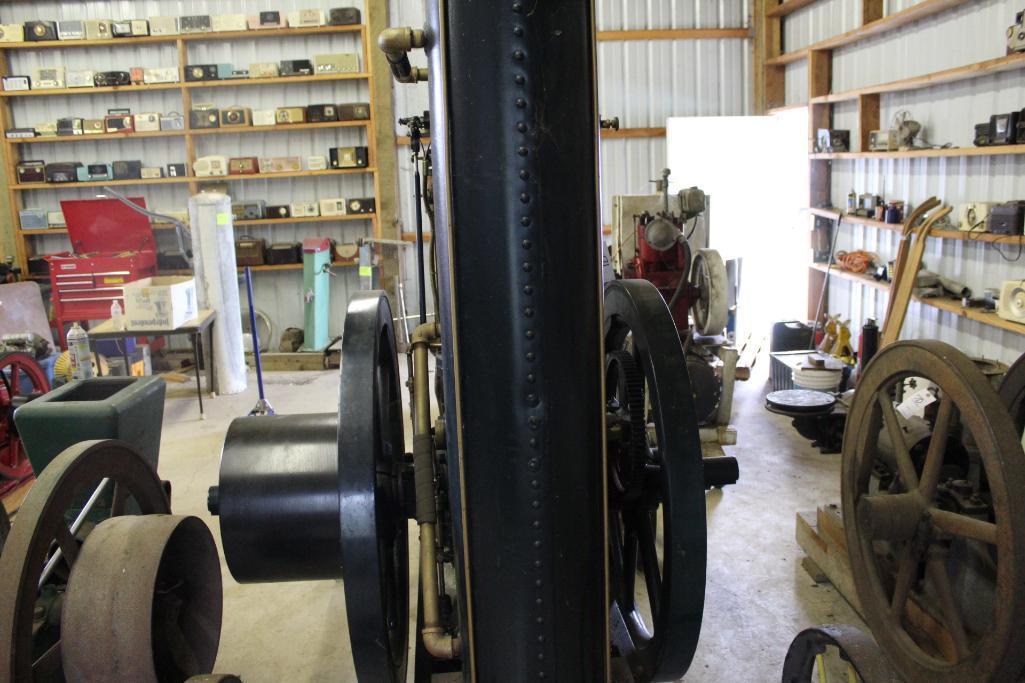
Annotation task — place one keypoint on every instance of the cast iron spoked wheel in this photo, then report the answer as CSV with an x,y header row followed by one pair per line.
x,y
374,544
624,400
656,621
43,525
1012,392
20,376
907,540
708,274
838,654
5,526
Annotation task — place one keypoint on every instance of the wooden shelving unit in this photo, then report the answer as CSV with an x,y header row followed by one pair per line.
x,y
986,237
14,149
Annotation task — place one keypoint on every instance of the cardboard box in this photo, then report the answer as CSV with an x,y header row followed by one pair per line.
x,y
160,303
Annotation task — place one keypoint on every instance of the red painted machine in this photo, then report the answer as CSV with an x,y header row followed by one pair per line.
x,y
113,245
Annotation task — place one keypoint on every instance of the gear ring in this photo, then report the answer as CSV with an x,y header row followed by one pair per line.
x,y
624,389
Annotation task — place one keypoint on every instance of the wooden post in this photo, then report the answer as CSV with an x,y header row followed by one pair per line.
x,y
871,10
769,81
868,119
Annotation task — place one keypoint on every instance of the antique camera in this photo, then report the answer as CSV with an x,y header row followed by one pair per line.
x,y
339,63
321,113
295,67
883,140
975,217
281,253
119,123
36,31
81,79
12,33
280,164
164,26
71,30
98,171
982,135
1016,34
32,219
97,29
305,209
228,22
48,79
278,212
249,251
176,171
317,162
208,166
265,117
70,126
362,205
201,72
264,70
20,133
1003,129
268,19
172,121
243,166
832,141
306,18
147,122
31,171
94,126
16,82
333,207
249,211
205,118
343,16
106,79
348,157
127,170
160,75
195,24
237,116
1007,218
355,111
291,115
63,172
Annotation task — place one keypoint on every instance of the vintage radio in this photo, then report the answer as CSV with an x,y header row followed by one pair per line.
x,y
264,70
281,253
333,207
147,122
265,117
97,171
199,23
1011,305
127,170
249,211
237,116
36,31
71,30
280,164
249,251
164,26
362,205
97,29
343,16
225,71
137,74
354,111
173,259
306,18
70,126
167,74
339,63
16,82
831,141
151,172
117,123
304,209
81,79
346,254
20,133
205,118
31,171
268,19
176,171
228,22
278,212
1003,129
321,113
172,121
63,172
291,115
201,72
208,166
883,140
1007,218
32,219
110,78
94,126
243,166
975,217
982,135
48,79
47,129
134,28
12,33
55,219
317,162
295,67
348,157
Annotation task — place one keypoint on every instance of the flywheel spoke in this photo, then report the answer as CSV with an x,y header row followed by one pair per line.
x,y
117,505
937,450
48,663
964,526
649,559
937,570
630,567
908,569
900,447
68,545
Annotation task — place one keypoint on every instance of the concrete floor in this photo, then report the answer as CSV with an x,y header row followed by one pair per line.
x,y
758,596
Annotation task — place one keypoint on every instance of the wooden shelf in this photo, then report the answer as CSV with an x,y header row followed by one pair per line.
x,y
996,150
949,305
985,237
47,92
250,223
280,128
101,136
290,174
675,34
186,37
188,85
922,10
788,7
24,187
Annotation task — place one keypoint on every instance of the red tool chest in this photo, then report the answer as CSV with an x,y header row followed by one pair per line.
x,y
113,245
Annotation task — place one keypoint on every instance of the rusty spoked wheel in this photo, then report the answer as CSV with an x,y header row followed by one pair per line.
x,y
838,654
922,528
86,481
1012,393
20,378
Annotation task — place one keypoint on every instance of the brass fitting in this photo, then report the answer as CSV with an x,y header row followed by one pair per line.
x,y
396,43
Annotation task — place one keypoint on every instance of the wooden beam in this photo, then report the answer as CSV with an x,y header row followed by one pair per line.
x,y
788,7
633,133
871,10
868,119
1000,150
675,34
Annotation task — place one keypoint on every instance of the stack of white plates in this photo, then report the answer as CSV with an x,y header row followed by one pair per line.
x,y
818,379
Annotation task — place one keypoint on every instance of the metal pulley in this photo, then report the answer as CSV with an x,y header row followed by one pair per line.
x,y
711,310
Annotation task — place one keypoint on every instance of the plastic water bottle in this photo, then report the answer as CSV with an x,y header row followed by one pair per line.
x,y
79,353
117,316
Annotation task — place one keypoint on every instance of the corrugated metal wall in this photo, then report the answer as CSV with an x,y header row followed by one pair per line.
x,y
966,35
279,294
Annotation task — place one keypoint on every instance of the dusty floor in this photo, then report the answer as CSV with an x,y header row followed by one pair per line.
x,y
758,596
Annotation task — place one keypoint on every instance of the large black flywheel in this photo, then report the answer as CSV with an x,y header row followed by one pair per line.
x,y
657,536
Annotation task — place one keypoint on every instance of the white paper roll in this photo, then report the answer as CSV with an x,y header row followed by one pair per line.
x,y
213,244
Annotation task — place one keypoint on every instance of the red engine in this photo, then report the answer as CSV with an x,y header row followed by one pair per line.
x,y
664,258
